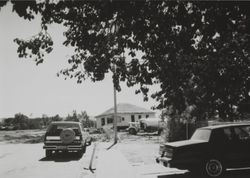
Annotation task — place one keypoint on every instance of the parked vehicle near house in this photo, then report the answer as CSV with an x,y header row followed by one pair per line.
x,y
65,136
210,150
146,125
134,128
125,113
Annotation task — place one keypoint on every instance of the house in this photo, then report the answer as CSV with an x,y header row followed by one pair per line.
x,y
125,113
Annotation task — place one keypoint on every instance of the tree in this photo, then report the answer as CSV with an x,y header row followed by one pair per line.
x,y
8,121
46,120
72,117
20,121
84,119
197,51
56,118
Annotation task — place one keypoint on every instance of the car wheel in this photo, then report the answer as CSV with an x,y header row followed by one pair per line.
x,y
48,153
214,168
132,131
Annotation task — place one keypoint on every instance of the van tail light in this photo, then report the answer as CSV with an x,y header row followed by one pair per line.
x,y
78,138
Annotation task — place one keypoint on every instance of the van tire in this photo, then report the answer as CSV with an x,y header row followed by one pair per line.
x,y
132,131
48,153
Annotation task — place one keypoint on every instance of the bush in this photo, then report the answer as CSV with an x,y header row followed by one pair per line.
x,y
176,128
180,126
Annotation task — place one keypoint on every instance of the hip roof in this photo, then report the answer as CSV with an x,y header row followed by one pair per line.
x,y
125,108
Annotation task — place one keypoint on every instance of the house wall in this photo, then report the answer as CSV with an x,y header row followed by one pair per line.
x,y
123,119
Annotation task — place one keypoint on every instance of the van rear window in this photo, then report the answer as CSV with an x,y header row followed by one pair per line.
x,y
57,128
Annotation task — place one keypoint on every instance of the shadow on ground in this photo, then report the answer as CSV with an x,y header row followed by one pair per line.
x,y
229,174
62,157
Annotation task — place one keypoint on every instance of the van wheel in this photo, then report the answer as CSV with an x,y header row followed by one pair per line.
x,y
48,153
82,151
159,131
132,131
214,168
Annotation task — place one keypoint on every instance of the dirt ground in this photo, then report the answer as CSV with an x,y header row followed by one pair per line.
x,y
22,156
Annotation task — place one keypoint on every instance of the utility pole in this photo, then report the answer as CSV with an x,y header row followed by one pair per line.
x,y
113,30
115,116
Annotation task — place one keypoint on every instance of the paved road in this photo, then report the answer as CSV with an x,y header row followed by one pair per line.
x,y
154,171
28,161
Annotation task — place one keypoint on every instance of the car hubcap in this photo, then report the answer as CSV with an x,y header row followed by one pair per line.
x,y
214,168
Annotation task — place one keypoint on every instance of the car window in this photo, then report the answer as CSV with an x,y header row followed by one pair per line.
x,y
201,134
218,137
228,133
242,133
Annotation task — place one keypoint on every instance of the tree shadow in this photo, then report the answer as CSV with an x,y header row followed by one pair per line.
x,y
245,173
62,157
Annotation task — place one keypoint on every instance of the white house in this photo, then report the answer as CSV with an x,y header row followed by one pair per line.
x,y
125,113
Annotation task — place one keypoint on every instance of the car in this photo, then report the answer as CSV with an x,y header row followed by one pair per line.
x,y
210,150
64,136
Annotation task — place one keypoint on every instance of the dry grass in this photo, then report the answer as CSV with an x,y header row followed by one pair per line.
x,y
22,136
37,136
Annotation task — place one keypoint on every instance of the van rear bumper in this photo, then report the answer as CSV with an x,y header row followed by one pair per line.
x,y
63,147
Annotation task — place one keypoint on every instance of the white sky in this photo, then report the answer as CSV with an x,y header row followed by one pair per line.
x,y
36,90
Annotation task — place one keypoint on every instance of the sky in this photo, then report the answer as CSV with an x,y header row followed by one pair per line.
x,y
35,90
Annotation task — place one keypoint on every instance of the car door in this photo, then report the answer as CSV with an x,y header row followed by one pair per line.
x,y
242,142
233,148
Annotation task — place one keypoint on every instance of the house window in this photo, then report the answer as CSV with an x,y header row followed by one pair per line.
x,y
110,120
103,121
146,116
139,117
123,119
132,118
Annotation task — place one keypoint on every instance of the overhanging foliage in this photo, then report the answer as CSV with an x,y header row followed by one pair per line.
x,y
197,51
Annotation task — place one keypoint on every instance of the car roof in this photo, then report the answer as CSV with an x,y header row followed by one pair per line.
x,y
226,125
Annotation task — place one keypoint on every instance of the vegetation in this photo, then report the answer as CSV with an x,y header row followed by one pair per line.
x,y
180,127
23,122
197,51
81,117
47,120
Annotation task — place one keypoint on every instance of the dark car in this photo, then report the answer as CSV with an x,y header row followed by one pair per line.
x,y
210,150
65,137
